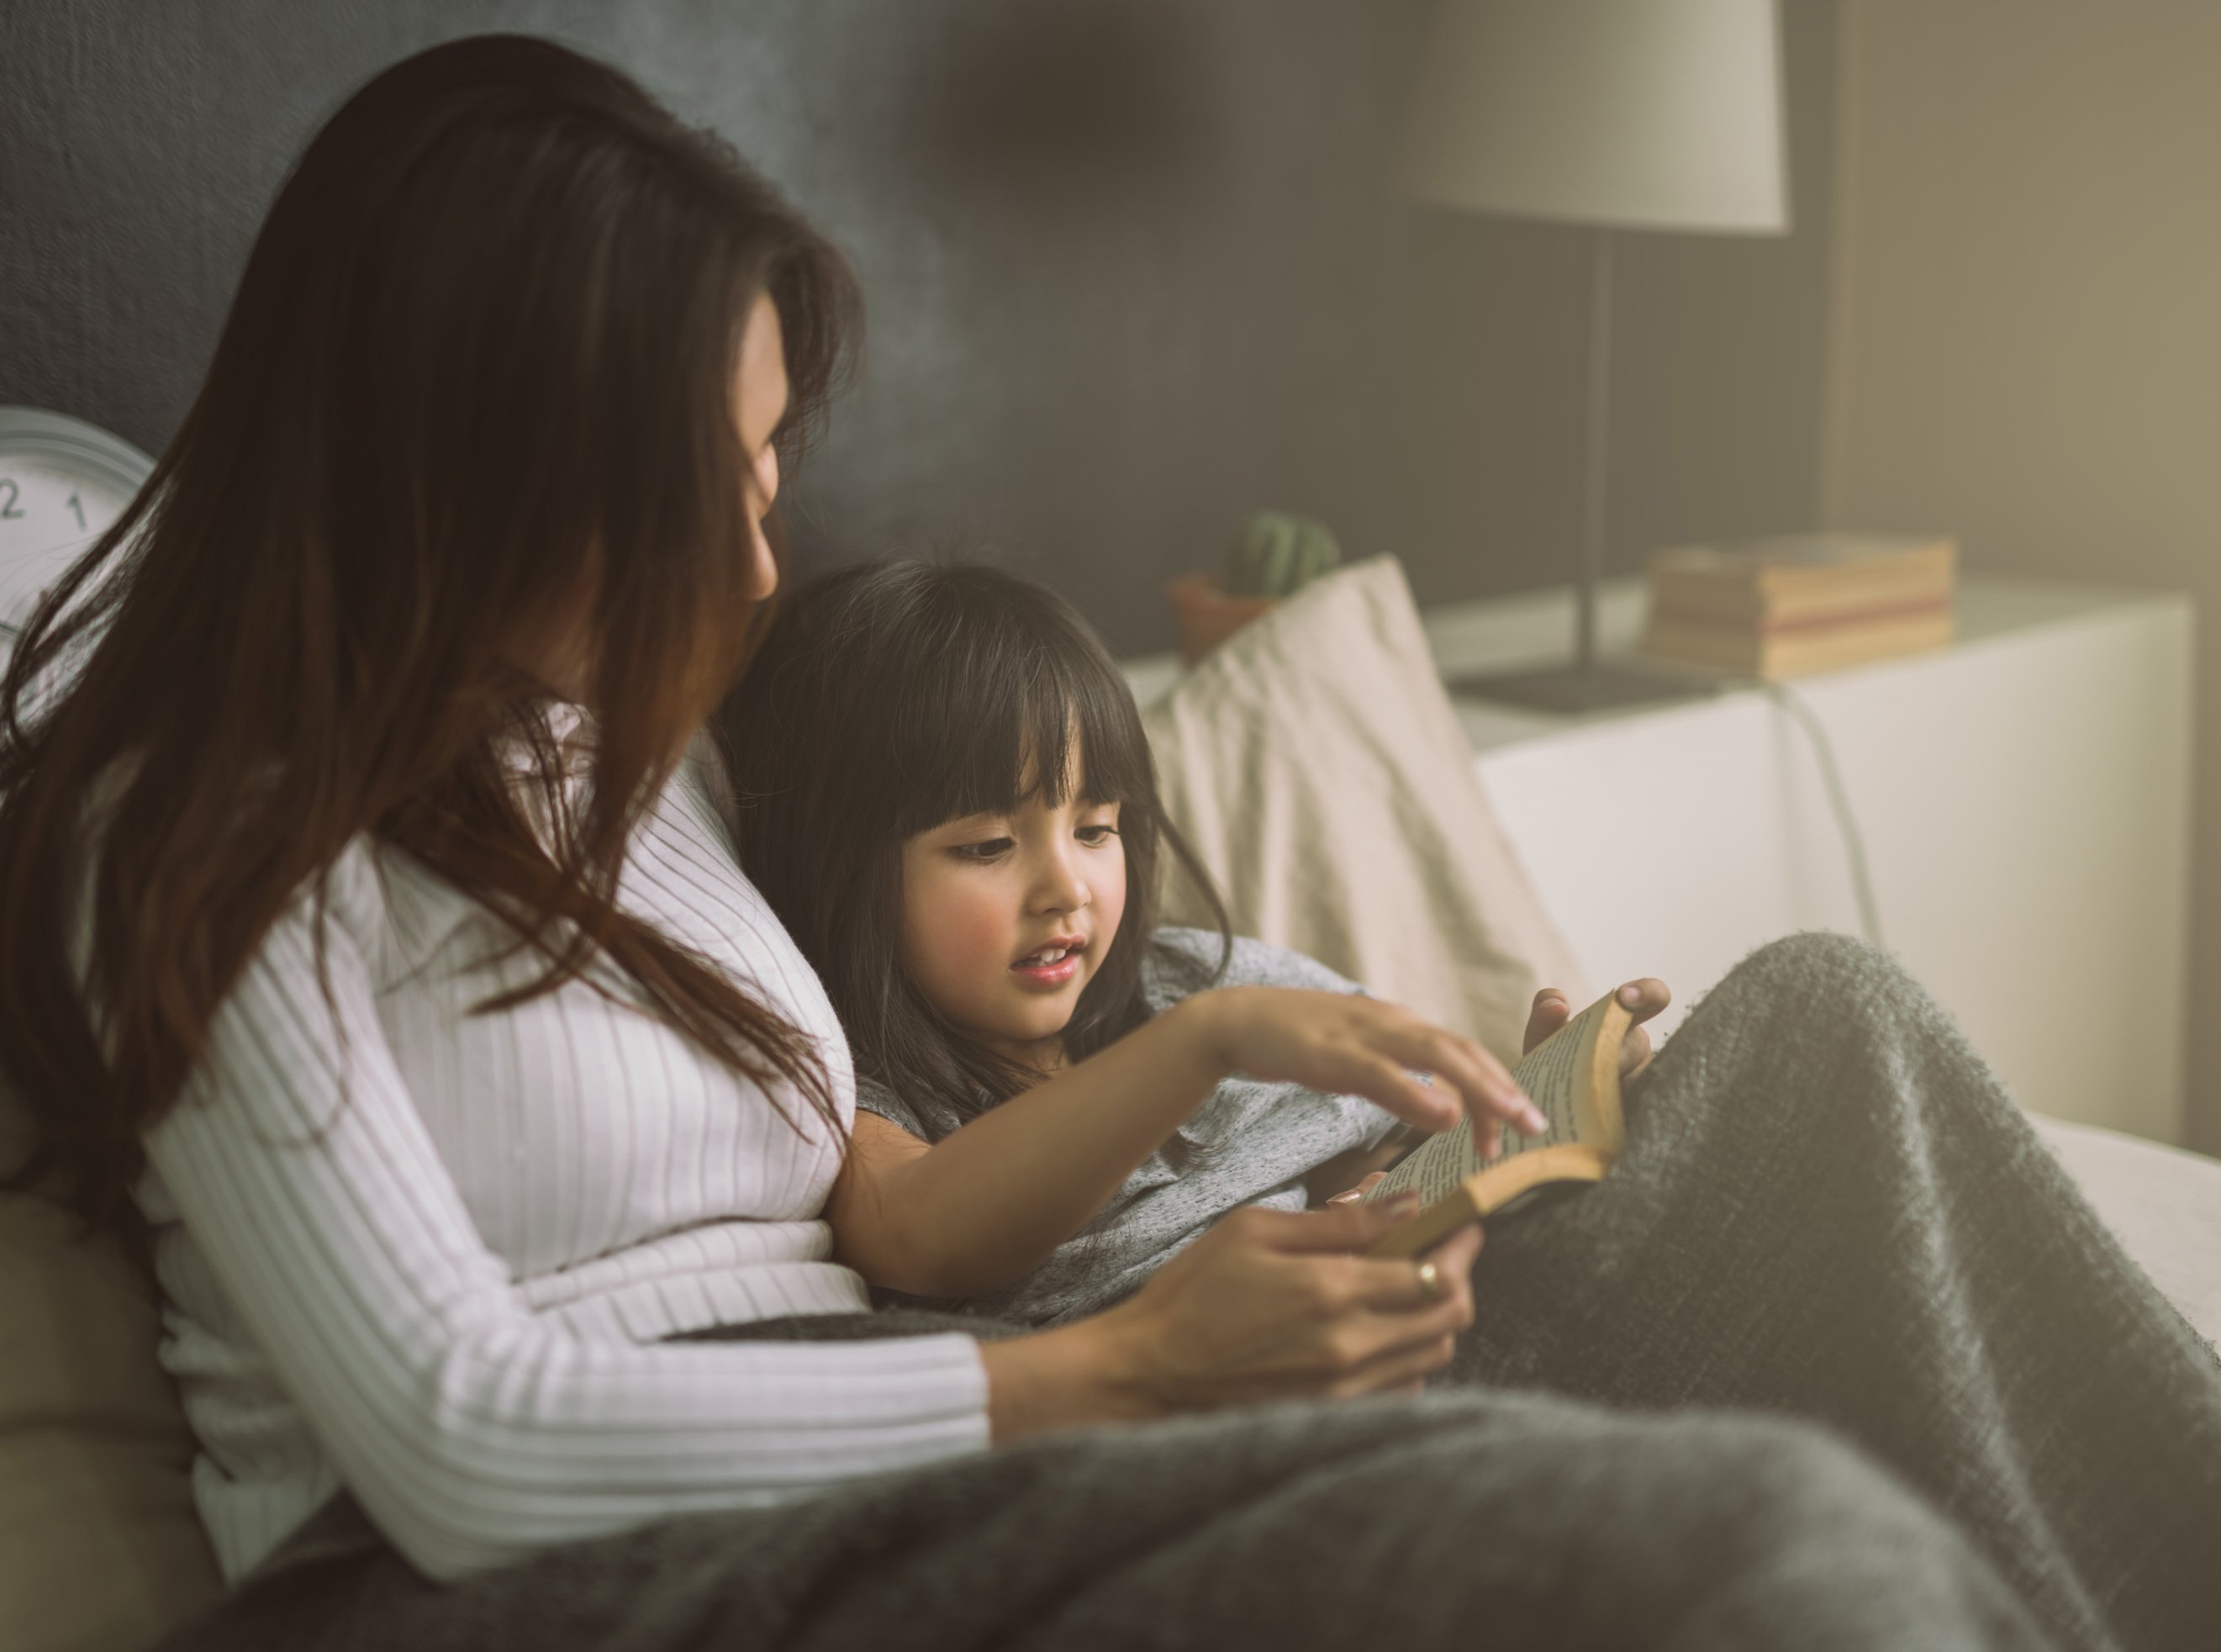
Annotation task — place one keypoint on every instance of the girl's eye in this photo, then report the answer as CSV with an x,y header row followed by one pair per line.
x,y
1096,836
990,849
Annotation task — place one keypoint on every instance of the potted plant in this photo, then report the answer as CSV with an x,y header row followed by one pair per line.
x,y
1276,555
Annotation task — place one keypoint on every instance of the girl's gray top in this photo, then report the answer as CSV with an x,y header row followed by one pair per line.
x,y
1250,1143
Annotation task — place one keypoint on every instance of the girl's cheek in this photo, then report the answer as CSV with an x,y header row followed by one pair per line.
x,y
983,927
1110,902
963,924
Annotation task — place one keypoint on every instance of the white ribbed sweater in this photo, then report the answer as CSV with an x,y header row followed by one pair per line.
x,y
428,1254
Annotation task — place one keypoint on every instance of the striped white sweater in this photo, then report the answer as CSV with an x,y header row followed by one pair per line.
x,y
429,1256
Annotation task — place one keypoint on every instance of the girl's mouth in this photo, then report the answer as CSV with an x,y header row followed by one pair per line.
x,y
1052,966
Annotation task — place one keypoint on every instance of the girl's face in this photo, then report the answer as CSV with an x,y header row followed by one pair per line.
x,y
1007,917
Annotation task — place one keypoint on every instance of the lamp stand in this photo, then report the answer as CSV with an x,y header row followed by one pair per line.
x,y
1587,684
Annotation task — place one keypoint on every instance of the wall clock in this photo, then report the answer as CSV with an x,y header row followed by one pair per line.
x,y
63,483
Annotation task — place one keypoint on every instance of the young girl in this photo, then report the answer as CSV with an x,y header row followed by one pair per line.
x,y
944,788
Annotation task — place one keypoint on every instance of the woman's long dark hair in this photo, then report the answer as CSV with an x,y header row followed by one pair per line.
x,y
478,381
888,698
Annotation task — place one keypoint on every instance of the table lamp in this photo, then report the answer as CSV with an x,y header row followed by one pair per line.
x,y
1613,114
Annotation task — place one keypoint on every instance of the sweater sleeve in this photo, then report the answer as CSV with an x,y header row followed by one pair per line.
x,y
1185,961
471,1430
881,1102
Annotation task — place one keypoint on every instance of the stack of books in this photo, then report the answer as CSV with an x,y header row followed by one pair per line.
x,y
1776,608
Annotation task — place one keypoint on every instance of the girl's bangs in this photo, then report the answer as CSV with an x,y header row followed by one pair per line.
x,y
1012,721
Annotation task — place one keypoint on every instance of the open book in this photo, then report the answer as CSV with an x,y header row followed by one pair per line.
x,y
1573,1076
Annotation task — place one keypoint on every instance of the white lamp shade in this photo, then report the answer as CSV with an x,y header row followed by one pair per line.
x,y
1623,114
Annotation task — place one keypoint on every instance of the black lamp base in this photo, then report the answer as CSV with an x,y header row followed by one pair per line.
x,y
1581,688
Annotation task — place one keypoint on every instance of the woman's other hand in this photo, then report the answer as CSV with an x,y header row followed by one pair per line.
x,y
1350,1045
1366,1184
1644,998
1269,1305
1349,1175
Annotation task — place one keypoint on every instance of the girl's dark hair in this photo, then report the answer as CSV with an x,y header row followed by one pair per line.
x,y
890,697
478,381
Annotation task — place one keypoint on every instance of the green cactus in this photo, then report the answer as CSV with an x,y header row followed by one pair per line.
x,y
1279,553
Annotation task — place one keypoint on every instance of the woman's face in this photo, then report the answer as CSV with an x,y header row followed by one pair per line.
x,y
760,394
1007,917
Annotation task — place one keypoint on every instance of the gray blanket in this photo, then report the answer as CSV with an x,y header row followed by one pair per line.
x,y
1837,1358
1832,1209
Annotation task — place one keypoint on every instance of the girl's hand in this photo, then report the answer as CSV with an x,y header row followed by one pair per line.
x,y
1268,1305
1646,997
1348,1045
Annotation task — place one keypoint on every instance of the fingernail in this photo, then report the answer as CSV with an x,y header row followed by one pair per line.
x,y
1533,1122
1404,1205
1350,1198
1631,994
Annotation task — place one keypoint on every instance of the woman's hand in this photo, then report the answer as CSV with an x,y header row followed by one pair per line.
x,y
1371,1181
1350,1045
1268,1305
1354,1173
1645,997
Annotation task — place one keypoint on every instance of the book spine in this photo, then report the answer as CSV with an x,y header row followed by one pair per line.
x,y
1798,652
1673,609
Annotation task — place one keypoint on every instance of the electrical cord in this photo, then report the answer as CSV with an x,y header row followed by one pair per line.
x,y
1839,801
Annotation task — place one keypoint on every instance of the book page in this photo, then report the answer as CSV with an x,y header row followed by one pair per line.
x,y
1433,1168
1551,1076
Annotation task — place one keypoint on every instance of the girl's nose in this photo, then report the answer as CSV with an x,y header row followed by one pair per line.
x,y
1063,889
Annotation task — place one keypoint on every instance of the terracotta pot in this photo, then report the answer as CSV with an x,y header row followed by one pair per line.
x,y
1204,616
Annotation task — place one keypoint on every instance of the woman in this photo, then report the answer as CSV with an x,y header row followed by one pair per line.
x,y
464,1091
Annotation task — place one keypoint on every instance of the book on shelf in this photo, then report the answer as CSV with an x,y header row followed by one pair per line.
x,y
1803,602
1572,1076
1799,651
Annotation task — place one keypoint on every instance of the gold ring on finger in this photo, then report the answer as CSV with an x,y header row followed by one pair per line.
x,y
1430,1282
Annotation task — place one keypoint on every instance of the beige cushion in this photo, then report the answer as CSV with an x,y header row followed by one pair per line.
x,y
99,1548
1315,765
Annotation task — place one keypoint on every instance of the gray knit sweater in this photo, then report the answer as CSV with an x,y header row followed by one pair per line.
x,y
1250,1143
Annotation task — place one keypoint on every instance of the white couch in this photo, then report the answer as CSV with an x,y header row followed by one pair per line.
x,y
2164,1205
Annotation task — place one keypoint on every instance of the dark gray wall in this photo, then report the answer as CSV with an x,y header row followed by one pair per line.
x,y
1131,266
